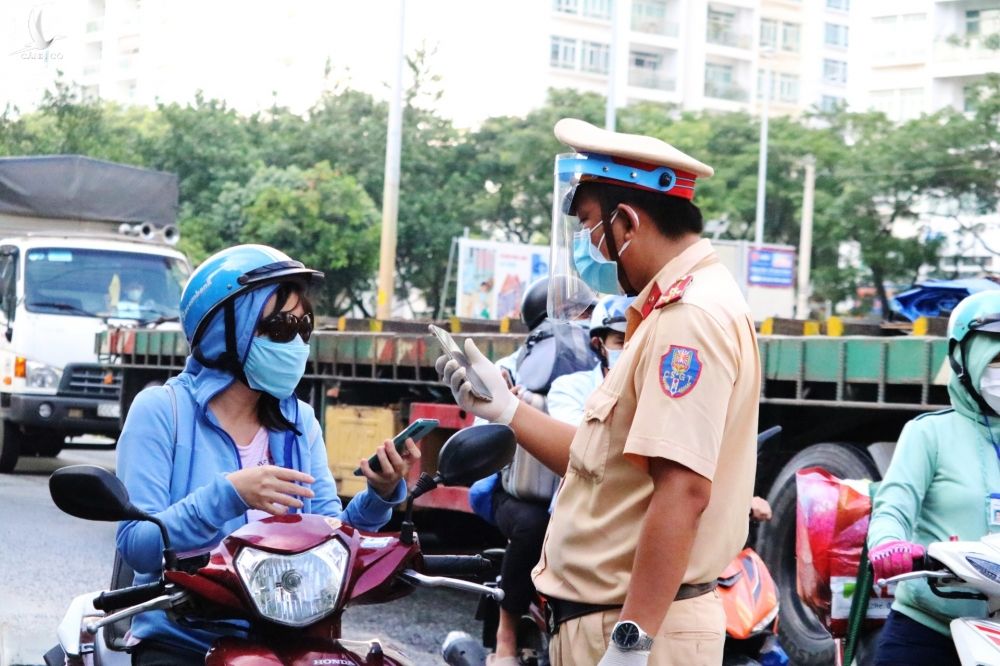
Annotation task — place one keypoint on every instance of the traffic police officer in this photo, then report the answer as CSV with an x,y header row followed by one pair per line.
x,y
659,476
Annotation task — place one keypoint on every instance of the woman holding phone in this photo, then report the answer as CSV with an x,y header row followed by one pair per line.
x,y
227,441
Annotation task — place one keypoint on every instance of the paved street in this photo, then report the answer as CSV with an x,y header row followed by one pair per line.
x,y
47,557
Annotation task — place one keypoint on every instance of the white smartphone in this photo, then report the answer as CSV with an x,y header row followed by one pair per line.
x,y
454,352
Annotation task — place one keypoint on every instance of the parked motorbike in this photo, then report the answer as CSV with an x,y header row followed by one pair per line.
x,y
749,596
966,570
291,577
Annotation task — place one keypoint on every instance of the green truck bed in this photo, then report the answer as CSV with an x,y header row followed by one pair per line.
x,y
902,372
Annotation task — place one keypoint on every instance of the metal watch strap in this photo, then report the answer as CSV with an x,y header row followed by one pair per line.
x,y
644,644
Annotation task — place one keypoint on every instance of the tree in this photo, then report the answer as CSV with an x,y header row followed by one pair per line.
x,y
320,217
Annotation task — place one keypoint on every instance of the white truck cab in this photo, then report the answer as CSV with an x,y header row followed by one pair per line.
x,y
64,280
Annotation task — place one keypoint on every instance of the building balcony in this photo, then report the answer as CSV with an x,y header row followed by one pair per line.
x,y
655,26
95,25
730,38
652,79
969,57
727,91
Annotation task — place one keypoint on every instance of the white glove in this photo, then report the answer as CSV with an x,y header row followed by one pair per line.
x,y
498,410
614,656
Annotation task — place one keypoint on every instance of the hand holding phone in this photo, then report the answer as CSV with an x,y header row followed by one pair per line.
x,y
455,353
415,431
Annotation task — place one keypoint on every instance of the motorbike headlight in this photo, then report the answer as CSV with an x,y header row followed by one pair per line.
x,y
295,590
41,376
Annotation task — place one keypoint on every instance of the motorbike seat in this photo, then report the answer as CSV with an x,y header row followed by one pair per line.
x,y
122,576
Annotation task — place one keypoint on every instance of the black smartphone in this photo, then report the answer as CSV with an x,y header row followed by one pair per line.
x,y
454,352
415,430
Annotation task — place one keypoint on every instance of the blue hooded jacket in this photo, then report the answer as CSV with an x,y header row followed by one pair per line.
x,y
175,469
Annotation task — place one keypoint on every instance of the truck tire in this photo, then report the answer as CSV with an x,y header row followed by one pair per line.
x,y
10,446
803,636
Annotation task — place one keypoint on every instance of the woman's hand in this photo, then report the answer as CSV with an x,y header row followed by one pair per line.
x,y
271,488
394,467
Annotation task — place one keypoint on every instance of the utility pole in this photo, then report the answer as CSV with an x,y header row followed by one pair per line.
x,y
610,119
390,189
805,239
758,236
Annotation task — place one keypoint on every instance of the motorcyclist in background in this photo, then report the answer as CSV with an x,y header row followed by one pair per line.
x,y
943,483
227,441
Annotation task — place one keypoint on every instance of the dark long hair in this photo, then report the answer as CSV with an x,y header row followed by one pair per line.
x,y
268,407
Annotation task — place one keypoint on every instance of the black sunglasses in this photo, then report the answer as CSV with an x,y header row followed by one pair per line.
x,y
284,326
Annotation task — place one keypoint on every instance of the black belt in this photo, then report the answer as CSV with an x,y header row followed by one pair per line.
x,y
561,610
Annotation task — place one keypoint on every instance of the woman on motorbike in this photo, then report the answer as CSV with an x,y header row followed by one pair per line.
x,y
227,441
944,471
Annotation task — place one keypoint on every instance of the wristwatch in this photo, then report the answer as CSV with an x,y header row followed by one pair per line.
x,y
629,636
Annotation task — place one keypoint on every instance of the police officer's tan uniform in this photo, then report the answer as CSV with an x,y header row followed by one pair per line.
x,y
686,389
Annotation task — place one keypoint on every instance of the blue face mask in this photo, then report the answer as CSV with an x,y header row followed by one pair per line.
x,y
613,356
599,273
276,367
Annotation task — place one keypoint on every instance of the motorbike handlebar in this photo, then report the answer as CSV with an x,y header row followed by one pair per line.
x,y
457,565
129,596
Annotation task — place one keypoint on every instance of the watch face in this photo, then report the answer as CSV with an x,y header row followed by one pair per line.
x,y
626,635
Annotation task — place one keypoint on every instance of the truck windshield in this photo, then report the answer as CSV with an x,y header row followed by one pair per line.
x,y
103,283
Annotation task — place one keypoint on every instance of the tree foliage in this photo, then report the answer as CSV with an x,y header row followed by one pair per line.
x,y
311,184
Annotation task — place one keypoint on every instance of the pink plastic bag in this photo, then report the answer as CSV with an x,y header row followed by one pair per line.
x,y
831,526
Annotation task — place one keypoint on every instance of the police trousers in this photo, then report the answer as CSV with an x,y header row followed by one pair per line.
x,y
692,634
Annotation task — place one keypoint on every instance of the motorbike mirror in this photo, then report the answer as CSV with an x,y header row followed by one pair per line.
x,y
92,493
475,452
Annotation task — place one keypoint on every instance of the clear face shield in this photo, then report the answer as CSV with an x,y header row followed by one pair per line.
x,y
570,298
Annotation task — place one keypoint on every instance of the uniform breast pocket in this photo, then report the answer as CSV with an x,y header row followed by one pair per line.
x,y
588,456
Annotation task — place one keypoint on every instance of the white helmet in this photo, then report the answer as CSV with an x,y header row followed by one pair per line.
x,y
609,315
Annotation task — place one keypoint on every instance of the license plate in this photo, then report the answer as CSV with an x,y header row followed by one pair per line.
x,y
109,410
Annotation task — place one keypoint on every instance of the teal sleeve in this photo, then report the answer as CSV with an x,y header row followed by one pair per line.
x,y
901,494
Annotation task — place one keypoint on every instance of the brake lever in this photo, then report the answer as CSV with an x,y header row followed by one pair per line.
x,y
157,603
421,580
916,575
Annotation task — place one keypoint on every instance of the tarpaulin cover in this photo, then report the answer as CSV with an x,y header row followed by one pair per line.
x,y
831,527
937,298
81,188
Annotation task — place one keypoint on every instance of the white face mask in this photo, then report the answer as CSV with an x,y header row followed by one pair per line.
x,y
989,386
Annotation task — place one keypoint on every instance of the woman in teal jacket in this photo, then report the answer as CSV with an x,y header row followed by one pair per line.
x,y
227,441
946,466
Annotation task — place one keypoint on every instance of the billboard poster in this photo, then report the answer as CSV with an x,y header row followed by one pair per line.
x,y
492,277
771,267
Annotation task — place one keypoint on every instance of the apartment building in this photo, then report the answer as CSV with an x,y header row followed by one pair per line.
x,y
928,54
700,54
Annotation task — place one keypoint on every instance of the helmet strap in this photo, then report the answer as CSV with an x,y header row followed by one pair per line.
x,y
960,368
228,360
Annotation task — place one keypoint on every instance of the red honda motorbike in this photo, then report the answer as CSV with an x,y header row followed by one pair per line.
x,y
291,577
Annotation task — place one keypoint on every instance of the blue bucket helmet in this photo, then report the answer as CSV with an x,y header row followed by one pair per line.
x,y
978,313
222,277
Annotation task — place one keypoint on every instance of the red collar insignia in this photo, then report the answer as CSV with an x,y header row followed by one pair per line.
x,y
675,292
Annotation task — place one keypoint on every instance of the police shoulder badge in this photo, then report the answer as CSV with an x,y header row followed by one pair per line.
x,y
680,369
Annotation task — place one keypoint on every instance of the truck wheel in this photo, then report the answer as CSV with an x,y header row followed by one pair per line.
x,y
803,636
10,446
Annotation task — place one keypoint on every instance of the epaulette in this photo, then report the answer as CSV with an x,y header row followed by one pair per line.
x,y
940,412
674,293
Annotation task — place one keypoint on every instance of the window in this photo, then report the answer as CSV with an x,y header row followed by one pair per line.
x,y
563,53
841,5
834,71
595,57
768,33
972,25
646,70
835,35
788,88
790,37
566,6
830,103
650,16
719,83
599,9
721,27
911,103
